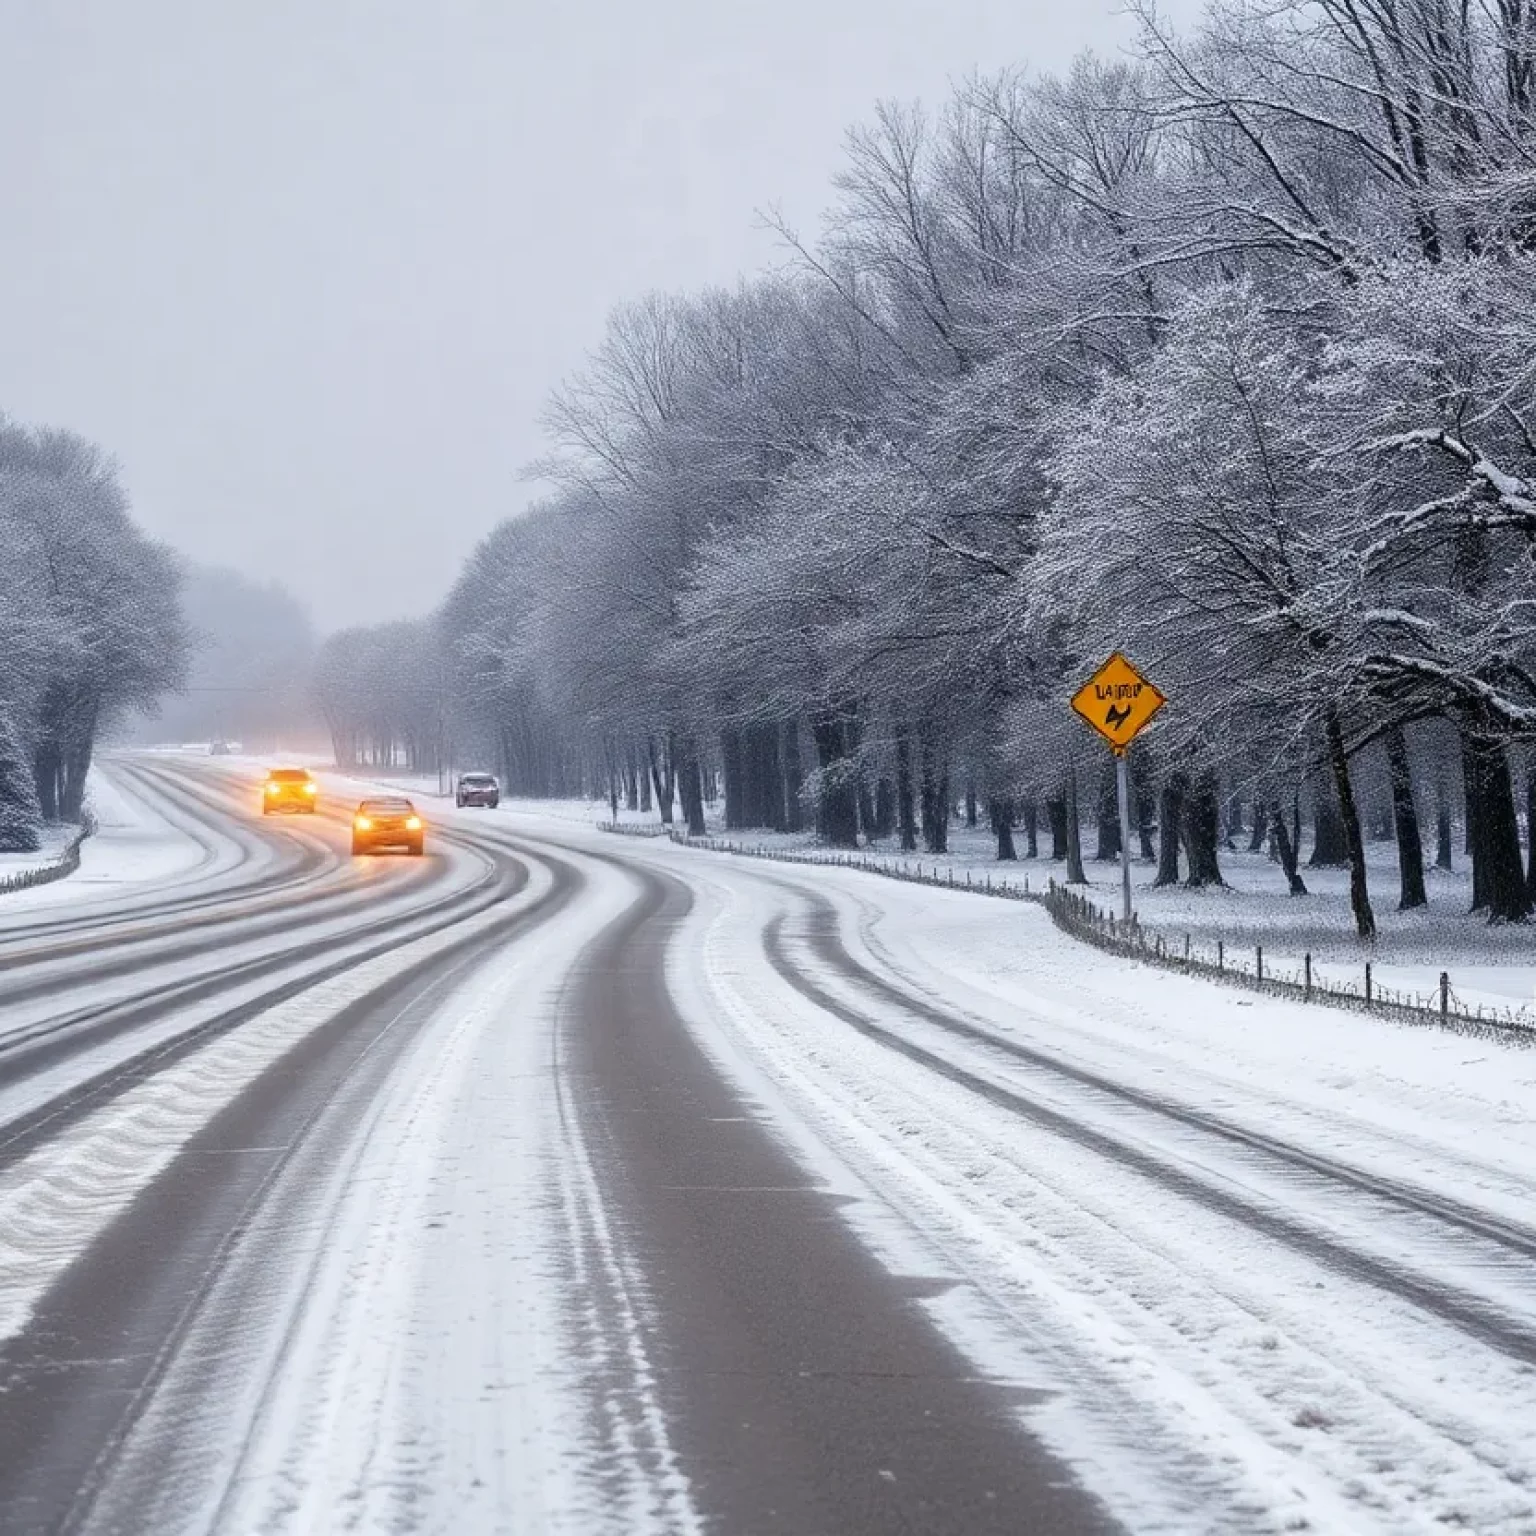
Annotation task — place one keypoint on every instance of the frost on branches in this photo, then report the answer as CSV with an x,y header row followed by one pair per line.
x,y
1221,355
90,623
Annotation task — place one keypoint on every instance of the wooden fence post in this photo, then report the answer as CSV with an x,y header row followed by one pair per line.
x,y
1445,994
1258,961
1306,986
1367,983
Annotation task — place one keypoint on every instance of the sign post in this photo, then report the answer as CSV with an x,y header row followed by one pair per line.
x,y
1119,703
1123,788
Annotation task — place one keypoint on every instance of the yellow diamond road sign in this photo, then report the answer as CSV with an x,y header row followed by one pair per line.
x,y
1118,702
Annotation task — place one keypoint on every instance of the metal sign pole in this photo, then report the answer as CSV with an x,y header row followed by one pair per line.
x,y
1123,787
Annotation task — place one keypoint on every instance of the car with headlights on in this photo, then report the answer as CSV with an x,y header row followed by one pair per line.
x,y
387,822
289,789
477,789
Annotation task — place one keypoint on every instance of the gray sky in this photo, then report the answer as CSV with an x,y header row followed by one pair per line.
x,y
310,267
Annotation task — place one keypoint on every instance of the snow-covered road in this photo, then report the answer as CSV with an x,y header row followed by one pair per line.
x,y
576,1183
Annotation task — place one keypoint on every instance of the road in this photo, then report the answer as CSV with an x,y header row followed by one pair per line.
x,y
570,1182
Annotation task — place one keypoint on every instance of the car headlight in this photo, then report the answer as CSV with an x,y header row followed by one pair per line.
x,y
309,789
272,789
413,823
363,824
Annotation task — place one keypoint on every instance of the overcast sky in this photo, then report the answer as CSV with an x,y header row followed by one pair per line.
x,y
308,268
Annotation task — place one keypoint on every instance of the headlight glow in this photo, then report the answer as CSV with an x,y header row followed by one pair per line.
x,y
309,789
363,824
413,824
272,789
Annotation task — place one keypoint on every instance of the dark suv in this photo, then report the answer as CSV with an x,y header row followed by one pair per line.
x,y
389,822
477,789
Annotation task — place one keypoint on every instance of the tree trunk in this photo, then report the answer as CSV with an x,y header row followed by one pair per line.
x,y
690,780
1001,813
1262,822
45,775
885,806
631,779
935,806
662,777
1287,850
904,807
838,813
1443,826
1108,814
794,777
1384,814
868,816
1530,832
1359,892
1146,815
1170,812
1498,877
1472,803
1075,874
1330,845
1202,832
76,765
1405,819
730,769
1235,828
970,805
1032,828
767,775
1056,810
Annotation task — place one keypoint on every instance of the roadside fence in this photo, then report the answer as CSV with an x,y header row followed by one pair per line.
x,y
67,862
636,829
1247,967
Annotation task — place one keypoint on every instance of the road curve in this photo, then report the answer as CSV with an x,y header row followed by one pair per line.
x,y
572,1183
798,1386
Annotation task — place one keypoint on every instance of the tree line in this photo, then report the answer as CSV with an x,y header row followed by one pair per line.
x,y
1220,355
90,623
249,674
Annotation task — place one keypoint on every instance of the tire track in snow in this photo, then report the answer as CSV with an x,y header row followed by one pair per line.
x,y
1483,1320
1210,1381
62,1039
89,1361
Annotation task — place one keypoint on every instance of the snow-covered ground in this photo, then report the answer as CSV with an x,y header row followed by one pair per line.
x,y
52,844
1260,1267
141,842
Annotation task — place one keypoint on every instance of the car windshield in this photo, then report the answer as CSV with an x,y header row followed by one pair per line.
x,y
477,781
386,807
289,776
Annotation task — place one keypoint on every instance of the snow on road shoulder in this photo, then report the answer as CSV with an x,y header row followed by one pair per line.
x,y
139,844
1458,1115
